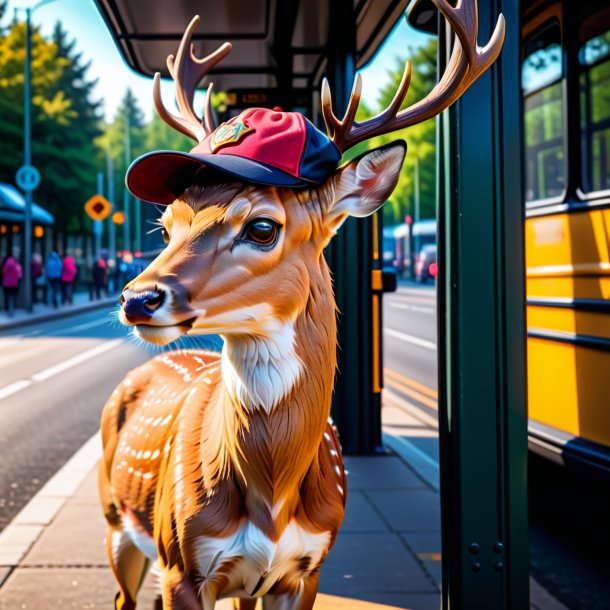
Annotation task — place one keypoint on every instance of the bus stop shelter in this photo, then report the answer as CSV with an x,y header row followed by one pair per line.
x,y
281,52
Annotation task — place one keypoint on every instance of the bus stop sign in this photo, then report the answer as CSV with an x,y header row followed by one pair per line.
x,y
27,178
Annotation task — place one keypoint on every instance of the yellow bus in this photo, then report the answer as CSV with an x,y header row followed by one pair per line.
x,y
565,80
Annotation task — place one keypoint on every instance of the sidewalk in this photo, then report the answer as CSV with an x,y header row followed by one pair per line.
x,y
388,550
41,312
387,554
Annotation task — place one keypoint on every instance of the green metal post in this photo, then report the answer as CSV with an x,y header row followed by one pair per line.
x,y
27,160
482,336
356,406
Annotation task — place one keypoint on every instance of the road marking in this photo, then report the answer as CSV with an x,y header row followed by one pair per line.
x,y
412,307
67,364
420,387
410,339
80,327
14,387
410,408
397,385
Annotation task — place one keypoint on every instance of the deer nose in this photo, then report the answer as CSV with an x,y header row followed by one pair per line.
x,y
139,307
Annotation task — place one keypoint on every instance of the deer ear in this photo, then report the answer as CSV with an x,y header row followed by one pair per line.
x,y
364,184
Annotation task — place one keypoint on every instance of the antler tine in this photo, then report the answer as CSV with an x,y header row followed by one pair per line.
x,y
468,61
330,120
208,117
335,126
187,72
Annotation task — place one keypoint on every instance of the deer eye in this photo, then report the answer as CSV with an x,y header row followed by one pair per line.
x,y
261,232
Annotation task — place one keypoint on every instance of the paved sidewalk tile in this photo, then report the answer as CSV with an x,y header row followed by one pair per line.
x,y
372,563
382,472
361,516
407,511
51,588
64,543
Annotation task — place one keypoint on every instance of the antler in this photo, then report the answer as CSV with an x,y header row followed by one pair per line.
x,y
468,61
187,72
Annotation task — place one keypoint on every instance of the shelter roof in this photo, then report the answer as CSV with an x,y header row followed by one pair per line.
x,y
12,207
274,41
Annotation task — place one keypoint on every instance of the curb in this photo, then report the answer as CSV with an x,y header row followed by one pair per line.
x,y
59,313
20,534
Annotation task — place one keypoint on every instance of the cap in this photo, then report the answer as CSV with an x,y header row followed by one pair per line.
x,y
258,146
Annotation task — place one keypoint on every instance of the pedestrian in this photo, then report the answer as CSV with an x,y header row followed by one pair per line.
x,y
100,277
68,276
54,271
37,275
11,275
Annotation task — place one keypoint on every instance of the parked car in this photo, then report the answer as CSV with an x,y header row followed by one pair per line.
x,y
426,267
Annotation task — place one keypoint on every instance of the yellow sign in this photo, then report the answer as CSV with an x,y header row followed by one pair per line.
x,y
98,207
118,218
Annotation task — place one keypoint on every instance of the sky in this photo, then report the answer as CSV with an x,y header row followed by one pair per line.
x,y
84,23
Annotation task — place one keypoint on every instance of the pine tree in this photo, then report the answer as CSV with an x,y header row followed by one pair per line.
x,y
127,128
64,121
421,138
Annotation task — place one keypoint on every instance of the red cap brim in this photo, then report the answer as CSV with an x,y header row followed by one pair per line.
x,y
162,176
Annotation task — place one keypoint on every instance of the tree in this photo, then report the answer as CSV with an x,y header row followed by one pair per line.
x,y
421,138
64,121
127,127
160,136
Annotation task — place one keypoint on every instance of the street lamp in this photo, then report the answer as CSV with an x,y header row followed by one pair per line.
x,y
27,176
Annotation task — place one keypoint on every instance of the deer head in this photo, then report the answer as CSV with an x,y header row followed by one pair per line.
x,y
252,206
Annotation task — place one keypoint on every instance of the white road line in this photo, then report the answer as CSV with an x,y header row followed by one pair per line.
x,y
80,327
67,364
14,387
430,310
410,339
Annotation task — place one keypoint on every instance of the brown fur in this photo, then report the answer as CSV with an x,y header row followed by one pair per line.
x,y
190,458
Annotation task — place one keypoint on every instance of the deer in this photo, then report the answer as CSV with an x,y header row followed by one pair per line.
x,y
224,467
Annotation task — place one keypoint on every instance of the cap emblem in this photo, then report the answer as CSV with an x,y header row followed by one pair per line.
x,y
229,133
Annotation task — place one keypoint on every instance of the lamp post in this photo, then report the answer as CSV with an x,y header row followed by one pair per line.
x,y
127,223
29,176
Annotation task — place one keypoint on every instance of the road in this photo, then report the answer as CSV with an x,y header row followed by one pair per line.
x,y
54,380
55,377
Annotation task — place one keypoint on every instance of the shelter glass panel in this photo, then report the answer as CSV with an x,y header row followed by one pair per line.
x,y
541,83
594,62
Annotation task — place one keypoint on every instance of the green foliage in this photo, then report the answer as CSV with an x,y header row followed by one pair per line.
x,y
64,121
125,139
421,138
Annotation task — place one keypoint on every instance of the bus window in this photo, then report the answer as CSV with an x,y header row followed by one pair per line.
x,y
541,82
594,61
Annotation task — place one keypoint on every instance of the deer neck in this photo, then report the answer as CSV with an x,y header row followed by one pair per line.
x,y
276,393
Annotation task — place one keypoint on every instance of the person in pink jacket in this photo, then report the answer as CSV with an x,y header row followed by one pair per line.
x,y
11,275
68,276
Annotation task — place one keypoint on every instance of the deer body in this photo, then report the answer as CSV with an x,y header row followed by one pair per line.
x,y
225,467
257,487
